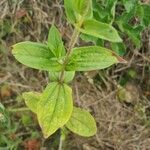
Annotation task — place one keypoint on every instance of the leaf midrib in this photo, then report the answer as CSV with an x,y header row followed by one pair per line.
x,y
81,122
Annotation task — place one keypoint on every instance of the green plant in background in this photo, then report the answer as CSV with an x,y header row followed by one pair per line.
x,y
130,18
8,140
54,106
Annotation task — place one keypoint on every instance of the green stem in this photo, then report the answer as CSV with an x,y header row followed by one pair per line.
x,y
60,143
73,41
63,134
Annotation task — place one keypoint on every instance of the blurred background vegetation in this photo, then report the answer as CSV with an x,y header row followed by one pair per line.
x,y
118,97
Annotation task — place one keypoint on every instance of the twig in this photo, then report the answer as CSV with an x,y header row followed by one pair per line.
x,y
5,78
18,109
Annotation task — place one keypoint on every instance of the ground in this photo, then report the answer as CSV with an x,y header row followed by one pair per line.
x,y
118,97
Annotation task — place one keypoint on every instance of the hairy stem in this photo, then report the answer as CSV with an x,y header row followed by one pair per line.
x,y
73,41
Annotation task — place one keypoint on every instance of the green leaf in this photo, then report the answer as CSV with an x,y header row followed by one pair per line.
x,y
99,12
81,122
134,33
36,55
92,58
146,17
100,30
112,6
124,18
104,11
55,42
69,9
2,108
88,38
2,114
54,108
84,8
129,4
5,27
77,10
68,76
100,42
4,118
118,48
31,100
26,119
139,11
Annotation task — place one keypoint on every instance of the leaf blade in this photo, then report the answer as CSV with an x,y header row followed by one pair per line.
x,y
84,8
68,76
54,108
31,100
100,30
69,9
35,55
77,10
82,123
92,58
55,42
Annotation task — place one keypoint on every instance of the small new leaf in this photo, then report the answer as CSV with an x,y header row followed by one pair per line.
x,y
84,8
36,55
81,122
92,58
55,42
78,10
31,100
54,108
68,76
100,30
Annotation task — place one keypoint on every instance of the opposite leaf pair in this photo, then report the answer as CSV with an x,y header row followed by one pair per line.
x,y
55,105
54,109
41,56
80,14
51,57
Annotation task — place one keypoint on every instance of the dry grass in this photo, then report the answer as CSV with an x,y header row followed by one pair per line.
x,y
122,125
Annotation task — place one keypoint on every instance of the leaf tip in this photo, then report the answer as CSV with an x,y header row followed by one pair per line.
x,y
120,59
120,40
46,135
44,132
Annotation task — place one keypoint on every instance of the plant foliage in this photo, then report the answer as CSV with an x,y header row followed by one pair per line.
x,y
92,21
